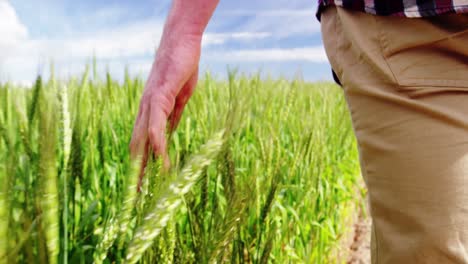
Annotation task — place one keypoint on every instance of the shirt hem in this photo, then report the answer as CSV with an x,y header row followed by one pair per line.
x,y
419,13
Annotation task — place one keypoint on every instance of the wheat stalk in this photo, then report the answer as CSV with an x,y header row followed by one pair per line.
x,y
67,131
48,173
110,234
130,197
4,216
67,139
170,200
118,226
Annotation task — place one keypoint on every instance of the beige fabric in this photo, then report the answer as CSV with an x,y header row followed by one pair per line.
x,y
406,86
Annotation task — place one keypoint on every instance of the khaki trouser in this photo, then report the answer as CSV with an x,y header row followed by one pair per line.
x,y
406,86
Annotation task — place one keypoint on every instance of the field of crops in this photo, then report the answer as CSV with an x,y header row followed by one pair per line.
x,y
263,171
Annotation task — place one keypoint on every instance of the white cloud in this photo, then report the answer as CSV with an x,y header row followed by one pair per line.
x,y
21,56
279,23
270,13
221,38
310,54
130,40
137,39
12,30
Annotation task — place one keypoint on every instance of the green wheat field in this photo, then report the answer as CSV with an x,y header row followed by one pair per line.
x,y
263,171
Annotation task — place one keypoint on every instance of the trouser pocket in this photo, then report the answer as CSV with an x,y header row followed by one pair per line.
x,y
435,60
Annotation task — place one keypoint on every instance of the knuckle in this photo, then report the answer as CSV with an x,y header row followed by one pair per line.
x,y
165,103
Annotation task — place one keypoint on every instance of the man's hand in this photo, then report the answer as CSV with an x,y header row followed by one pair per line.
x,y
172,79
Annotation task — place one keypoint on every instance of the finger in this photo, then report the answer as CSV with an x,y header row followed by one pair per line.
x,y
181,101
140,131
157,133
144,162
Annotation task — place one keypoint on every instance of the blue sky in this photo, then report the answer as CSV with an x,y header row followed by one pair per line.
x,y
277,38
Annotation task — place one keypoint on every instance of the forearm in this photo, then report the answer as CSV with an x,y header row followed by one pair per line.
x,y
178,54
188,18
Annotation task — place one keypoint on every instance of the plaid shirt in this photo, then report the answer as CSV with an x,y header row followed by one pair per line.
x,y
404,8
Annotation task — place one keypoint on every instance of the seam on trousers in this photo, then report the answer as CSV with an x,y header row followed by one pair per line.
x,y
366,176
374,223
364,171
339,70
383,41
